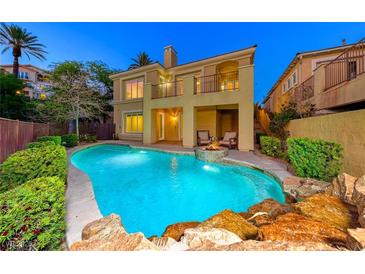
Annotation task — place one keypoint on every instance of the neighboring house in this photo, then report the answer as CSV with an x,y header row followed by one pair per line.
x,y
171,102
331,79
36,82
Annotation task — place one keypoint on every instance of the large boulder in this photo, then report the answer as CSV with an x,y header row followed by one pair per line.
x,y
108,234
304,187
271,207
327,209
198,236
343,186
252,245
166,243
233,222
356,239
107,225
175,231
293,227
115,242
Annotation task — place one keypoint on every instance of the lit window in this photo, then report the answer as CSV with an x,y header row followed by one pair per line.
x,y
133,123
133,89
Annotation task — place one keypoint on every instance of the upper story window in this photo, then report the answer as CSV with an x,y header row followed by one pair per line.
x,y
289,83
284,88
23,75
133,89
294,77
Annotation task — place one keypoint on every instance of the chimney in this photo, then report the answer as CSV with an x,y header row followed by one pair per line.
x,y
344,42
169,57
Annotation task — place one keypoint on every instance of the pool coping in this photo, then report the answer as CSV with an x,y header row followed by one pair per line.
x,y
81,205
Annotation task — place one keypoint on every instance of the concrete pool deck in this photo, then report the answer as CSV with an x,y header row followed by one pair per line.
x,y
82,208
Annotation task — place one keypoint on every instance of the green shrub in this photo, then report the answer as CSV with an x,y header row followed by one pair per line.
x,y
40,144
56,139
70,140
87,138
315,158
32,163
258,136
271,146
32,215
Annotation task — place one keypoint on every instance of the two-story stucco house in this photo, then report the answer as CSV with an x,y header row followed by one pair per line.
x,y
171,102
36,82
332,79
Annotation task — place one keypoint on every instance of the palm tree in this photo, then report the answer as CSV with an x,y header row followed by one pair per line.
x,y
21,41
141,60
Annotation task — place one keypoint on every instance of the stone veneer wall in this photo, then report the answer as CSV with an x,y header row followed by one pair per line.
x,y
346,128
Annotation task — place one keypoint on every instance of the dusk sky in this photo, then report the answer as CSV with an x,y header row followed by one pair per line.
x,y
116,43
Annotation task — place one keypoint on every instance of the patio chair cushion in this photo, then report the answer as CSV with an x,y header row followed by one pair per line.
x,y
203,135
204,142
228,135
227,143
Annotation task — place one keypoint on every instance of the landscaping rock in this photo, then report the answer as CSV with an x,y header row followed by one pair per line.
x,y
252,245
175,231
358,195
198,236
106,225
304,187
343,186
356,239
293,227
116,241
233,222
327,209
271,207
289,199
261,218
166,243
108,234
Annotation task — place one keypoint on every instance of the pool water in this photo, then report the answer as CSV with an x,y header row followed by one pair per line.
x,y
151,190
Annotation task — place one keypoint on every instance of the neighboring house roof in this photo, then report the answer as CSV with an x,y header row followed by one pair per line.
x,y
157,64
297,58
28,66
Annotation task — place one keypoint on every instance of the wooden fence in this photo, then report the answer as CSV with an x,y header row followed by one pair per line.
x,y
15,135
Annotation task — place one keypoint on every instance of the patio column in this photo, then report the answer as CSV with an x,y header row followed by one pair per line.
x,y
246,108
189,114
148,116
319,84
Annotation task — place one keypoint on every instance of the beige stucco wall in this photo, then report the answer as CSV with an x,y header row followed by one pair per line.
x,y
346,128
207,120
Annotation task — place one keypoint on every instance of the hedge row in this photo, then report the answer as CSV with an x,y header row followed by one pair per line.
x,y
315,158
56,139
311,158
32,215
31,163
271,146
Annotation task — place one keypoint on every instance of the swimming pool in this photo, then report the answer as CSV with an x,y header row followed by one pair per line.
x,y
151,190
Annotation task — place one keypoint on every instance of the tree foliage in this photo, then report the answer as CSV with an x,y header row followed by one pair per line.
x,y
141,60
75,95
14,104
20,41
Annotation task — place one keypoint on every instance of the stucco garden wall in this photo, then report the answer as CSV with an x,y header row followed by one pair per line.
x,y
346,128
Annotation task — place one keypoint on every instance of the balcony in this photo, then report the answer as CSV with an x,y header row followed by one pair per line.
x,y
347,66
169,89
304,91
216,83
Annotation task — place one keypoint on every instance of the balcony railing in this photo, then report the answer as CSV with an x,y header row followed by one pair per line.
x,y
305,90
216,83
169,89
346,66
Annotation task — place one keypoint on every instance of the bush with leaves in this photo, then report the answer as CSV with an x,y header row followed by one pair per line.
x,y
56,139
40,144
271,146
70,140
315,158
32,215
88,138
31,163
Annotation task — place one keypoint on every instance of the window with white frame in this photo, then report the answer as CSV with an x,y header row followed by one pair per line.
x,y
284,87
133,89
289,83
133,122
294,78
